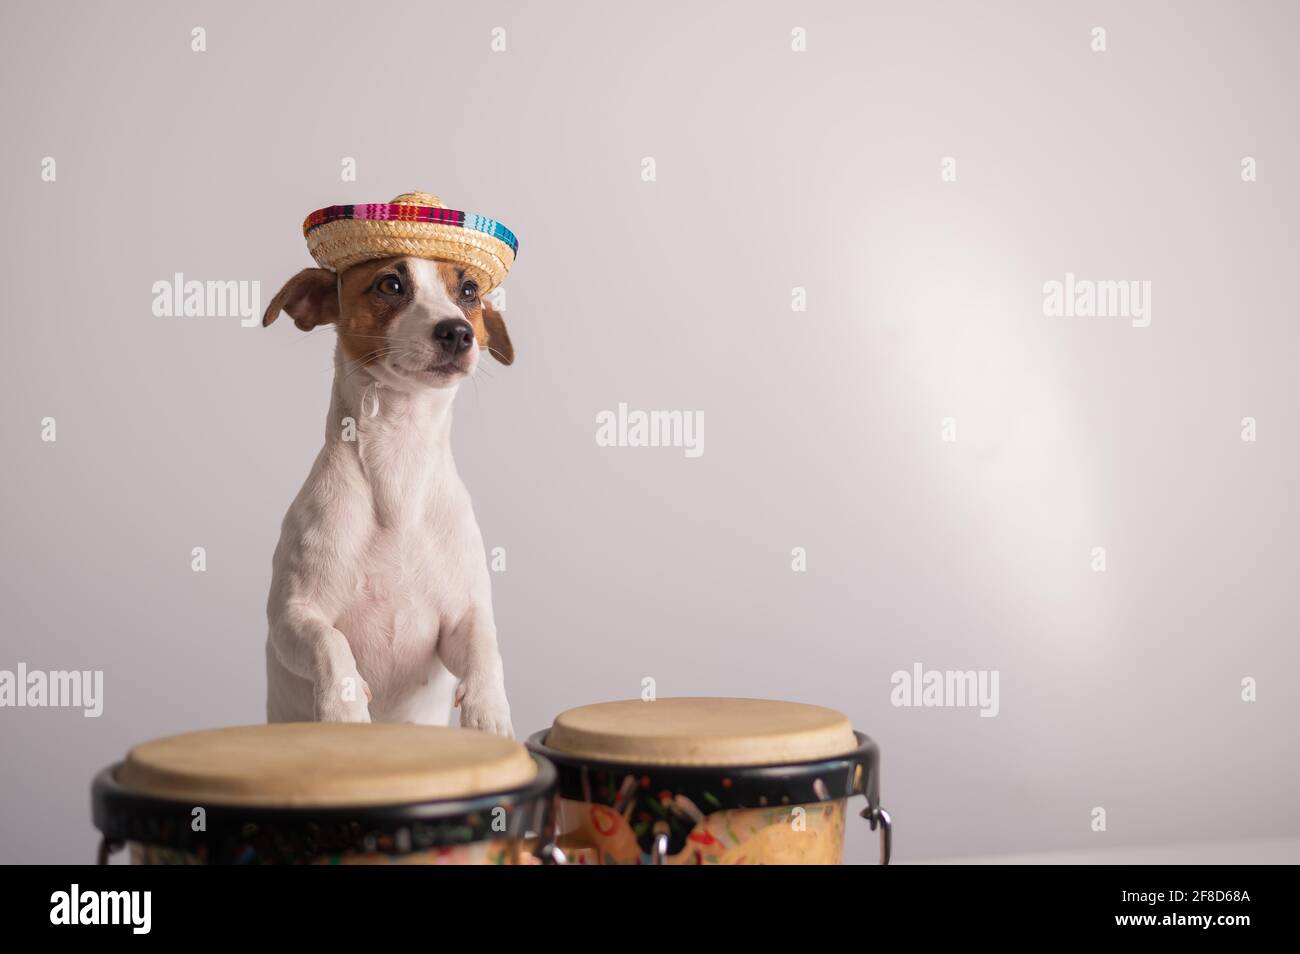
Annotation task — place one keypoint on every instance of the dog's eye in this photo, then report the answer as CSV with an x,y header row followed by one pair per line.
x,y
390,285
468,291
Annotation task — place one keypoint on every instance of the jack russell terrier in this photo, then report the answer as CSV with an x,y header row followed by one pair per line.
x,y
380,601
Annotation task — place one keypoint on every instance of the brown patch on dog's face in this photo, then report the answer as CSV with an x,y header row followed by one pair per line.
x,y
372,295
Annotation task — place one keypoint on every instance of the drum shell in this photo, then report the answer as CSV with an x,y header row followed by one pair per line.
x,y
617,813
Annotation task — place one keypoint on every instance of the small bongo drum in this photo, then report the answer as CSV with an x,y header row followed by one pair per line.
x,y
709,781
324,793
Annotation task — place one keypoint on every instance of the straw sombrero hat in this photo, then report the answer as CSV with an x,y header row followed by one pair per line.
x,y
414,223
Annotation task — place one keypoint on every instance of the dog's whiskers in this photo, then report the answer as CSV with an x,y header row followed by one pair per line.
x,y
321,329
368,360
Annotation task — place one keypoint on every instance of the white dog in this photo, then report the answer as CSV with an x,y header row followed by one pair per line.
x,y
380,599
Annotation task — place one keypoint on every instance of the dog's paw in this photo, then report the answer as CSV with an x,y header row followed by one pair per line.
x,y
346,700
483,706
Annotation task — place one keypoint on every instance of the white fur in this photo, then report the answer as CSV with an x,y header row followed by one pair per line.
x,y
380,582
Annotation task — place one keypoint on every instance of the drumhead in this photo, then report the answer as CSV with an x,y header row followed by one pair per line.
x,y
303,765
702,731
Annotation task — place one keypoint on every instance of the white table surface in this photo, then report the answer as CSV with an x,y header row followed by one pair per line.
x,y
1273,851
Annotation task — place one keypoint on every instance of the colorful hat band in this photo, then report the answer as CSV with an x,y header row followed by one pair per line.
x,y
390,212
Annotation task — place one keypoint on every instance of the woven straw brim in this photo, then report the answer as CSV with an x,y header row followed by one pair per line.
x,y
340,245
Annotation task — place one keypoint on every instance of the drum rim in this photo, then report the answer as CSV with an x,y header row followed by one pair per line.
x,y
866,751
867,754
123,814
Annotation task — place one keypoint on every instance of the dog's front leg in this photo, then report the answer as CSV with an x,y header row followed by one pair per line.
x,y
309,647
470,652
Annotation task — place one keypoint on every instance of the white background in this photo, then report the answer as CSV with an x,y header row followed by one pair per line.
x,y
822,429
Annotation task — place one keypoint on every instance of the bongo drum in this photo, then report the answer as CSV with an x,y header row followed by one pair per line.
x,y
709,781
324,793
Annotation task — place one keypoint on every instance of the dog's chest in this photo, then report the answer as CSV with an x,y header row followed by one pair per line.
x,y
412,582
408,596
407,543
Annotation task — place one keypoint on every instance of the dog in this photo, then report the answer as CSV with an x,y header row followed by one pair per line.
x,y
380,606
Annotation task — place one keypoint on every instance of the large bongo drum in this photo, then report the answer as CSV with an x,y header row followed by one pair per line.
x,y
324,793
709,781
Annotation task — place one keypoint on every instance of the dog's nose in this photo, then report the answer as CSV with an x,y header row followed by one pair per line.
x,y
454,334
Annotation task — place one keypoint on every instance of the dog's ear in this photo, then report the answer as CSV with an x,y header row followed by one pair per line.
x,y
498,338
311,298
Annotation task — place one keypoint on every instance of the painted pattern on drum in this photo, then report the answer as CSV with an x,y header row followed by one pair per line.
x,y
501,852
785,835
